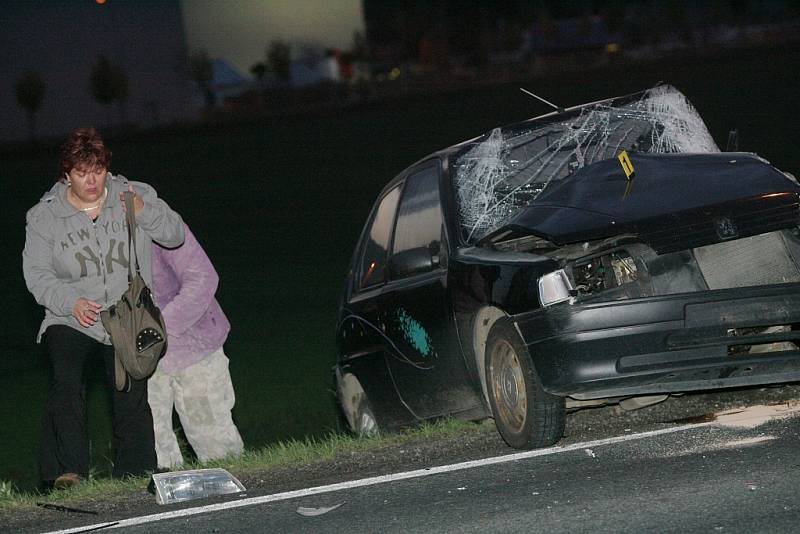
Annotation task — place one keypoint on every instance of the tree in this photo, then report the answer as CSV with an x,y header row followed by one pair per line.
x,y
279,60
259,70
201,70
30,93
109,84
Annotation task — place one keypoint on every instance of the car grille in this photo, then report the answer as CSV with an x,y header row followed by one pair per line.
x,y
751,261
724,222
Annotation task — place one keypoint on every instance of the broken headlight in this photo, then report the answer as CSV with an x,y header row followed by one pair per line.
x,y
604,272
555,287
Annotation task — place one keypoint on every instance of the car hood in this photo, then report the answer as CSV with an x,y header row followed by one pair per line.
x,y
669,196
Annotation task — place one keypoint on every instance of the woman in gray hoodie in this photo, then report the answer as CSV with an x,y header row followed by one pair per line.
x,y
75,264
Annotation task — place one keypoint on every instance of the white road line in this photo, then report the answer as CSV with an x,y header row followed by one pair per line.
x,y
133,521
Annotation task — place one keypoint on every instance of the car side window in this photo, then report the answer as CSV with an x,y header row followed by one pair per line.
x,y
419,219
373,262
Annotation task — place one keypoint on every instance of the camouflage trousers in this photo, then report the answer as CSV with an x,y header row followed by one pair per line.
x,y
202,394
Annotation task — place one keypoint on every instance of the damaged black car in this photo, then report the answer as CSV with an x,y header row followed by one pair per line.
x,y
605,251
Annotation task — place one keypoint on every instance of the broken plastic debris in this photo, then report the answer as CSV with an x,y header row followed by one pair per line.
x,y
753,416
177,486
311,512
61,508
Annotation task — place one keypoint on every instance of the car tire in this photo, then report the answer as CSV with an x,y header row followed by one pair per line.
x,y
355,406
366,425
526,415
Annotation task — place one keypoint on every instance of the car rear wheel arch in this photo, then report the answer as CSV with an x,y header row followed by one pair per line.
x,y
525,414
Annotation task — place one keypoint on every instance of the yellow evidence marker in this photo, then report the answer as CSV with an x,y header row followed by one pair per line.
x,y
627,166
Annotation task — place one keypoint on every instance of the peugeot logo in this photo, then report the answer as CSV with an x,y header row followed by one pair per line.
x,y
725,228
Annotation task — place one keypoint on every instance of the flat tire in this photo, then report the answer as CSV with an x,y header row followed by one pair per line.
x,y
355,405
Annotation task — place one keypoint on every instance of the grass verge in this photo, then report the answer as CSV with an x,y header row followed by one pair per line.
x,y
283,454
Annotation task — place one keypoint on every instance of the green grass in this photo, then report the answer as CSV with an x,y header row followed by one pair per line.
x,y
278,205
283,454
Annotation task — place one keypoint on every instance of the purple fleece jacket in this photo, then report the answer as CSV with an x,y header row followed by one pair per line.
x,y
184,283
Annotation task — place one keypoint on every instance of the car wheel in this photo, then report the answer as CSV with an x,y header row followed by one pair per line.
x,y
525,414
355,405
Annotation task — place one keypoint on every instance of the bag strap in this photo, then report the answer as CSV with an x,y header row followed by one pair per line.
x,y
130,215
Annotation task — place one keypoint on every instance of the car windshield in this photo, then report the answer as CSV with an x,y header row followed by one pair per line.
x,y
507,169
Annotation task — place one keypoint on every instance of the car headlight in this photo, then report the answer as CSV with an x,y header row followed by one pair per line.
x,y
555,287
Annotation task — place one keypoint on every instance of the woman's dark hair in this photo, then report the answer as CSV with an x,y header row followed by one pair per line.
x,y
83,148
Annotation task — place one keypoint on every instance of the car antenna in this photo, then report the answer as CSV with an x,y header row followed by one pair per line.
x,y
557,108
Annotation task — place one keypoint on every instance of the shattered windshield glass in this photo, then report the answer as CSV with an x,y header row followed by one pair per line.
x,y
509,168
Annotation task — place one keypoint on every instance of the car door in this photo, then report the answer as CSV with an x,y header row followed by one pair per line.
x,y
361,332
425,360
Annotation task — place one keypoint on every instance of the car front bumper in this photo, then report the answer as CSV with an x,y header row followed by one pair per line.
x,y
664,344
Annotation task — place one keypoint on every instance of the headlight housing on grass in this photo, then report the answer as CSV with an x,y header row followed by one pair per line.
x,y
177,486
555,287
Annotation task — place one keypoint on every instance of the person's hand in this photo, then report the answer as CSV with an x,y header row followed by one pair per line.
x,y
85,311
138,203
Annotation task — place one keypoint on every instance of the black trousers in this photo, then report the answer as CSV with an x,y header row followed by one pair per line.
x,y
65,437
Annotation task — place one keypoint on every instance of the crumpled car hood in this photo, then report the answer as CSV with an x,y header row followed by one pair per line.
x,y
667,191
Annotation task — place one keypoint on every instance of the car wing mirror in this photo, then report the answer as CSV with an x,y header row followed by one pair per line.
x,y
412,261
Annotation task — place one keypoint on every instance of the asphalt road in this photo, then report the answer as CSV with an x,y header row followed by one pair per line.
x,y
713,476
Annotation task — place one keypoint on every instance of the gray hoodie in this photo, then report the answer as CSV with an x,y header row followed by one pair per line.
x,y
68,256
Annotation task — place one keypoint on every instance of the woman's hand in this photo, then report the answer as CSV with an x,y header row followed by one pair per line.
x,y
138,203
85,311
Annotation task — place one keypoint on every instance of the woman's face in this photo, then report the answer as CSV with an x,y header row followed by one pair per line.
x,y
88,183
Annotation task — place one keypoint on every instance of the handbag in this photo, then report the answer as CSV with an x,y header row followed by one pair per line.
x,y
134,323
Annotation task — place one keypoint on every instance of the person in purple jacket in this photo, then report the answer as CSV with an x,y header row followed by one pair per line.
x,y
193,375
